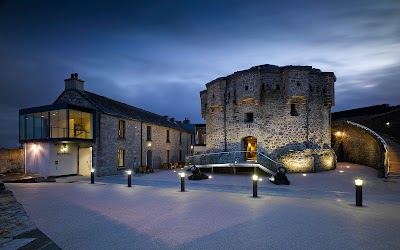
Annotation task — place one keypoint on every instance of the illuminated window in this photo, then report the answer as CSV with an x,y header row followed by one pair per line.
x,y
121,129
121,156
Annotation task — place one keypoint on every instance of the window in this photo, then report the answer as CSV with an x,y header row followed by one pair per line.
x,y
180,138
298,84
168,136
249,117
180,155
246,87
167,156
121,156
121,129
278,87
293,110
148,133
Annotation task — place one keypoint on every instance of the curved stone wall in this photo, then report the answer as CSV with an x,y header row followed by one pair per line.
x,y
356,145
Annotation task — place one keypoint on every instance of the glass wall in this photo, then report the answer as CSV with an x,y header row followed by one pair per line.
x,y
61,123
80,124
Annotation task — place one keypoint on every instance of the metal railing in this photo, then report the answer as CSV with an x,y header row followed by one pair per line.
x,y
386,147
232,157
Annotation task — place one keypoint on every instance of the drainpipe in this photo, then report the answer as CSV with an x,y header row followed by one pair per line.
x,y
225,143
25,159
141,144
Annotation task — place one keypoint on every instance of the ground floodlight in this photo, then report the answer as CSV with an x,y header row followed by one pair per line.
x,y
358,183
129,178
92,175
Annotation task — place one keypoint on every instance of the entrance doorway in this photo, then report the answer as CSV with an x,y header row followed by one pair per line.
x,y
149,161
250,146
85,161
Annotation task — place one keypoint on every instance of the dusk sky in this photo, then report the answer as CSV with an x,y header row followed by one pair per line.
x,y
158,55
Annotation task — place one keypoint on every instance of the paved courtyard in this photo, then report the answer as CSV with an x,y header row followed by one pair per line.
x,y
316,211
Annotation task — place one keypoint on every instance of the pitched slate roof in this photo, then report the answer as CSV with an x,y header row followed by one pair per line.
x,y
113,107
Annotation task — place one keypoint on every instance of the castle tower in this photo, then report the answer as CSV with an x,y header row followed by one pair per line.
x,y
283,112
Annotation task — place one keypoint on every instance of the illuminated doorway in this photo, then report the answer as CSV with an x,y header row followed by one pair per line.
x,y
250,148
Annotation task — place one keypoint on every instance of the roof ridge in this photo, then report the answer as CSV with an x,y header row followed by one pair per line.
x,y
124,103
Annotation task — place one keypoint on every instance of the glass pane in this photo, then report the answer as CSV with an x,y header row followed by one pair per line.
x,y
80,124
29,126
38,125
46,124
62,123
22,127
54,124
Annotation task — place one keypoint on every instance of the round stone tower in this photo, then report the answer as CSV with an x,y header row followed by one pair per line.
x,y
280,112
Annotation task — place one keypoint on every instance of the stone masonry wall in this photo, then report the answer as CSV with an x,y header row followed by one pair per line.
x,y
356,145
11,160
131,144
269,94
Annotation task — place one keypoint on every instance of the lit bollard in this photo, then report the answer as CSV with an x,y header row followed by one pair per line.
x,y
92,175
129,178
359,183
255,180
182,182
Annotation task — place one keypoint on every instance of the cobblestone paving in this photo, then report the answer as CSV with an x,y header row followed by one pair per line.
x,y
17,231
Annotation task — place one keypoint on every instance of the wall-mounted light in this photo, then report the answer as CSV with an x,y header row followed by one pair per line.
x,y
35,147
91,148
64,147
388,123
338,133
191,146
149,144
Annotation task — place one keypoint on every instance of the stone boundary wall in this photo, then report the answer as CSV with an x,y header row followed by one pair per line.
x,y
356,145
11,160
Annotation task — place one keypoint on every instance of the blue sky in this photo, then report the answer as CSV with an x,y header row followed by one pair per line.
x,y
158,55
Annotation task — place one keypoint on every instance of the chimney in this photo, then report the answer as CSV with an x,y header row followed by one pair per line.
x,y
74,82
172,120
186,121
166,117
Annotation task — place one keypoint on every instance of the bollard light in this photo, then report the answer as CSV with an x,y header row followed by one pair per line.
x,y
182,181
255,180
358,183
129,178
92,175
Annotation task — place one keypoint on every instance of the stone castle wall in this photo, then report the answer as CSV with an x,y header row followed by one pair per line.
x,y
269,92
11,160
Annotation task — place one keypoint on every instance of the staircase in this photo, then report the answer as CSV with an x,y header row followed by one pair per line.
x,y
394,160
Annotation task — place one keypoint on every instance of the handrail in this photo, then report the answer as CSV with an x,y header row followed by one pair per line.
x,y
262,154
209,158
381,139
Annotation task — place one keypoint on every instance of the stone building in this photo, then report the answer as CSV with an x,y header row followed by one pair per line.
x,y
81,130
281,112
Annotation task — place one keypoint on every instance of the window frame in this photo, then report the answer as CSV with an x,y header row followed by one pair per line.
x,y
121,131
121,157
168,136
148,133
249,117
